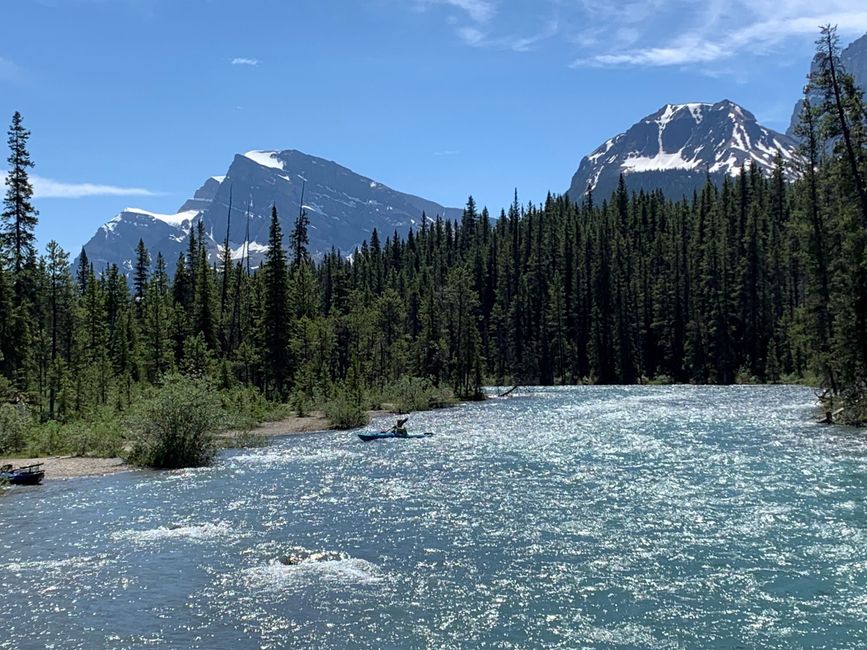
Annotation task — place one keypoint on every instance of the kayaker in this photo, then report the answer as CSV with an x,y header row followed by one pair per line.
x,y
399,429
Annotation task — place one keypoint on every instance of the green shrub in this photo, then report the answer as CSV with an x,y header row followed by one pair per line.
x,y
243,440
806,378
413,394
245,407
14,429
346,413
100,435
300,403
46,439
174,427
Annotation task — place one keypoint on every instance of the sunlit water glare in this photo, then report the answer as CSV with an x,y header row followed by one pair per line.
x,y
643,517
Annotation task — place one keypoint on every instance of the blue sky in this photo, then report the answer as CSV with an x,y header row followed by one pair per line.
x,y
136,102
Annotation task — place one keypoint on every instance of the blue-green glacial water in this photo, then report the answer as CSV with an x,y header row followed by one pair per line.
x,y
564,518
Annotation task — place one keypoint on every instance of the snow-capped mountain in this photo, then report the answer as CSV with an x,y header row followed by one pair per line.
x,y
677,147
115,242
343,208
854,60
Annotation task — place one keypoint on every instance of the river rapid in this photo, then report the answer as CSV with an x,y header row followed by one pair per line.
x,y
592,517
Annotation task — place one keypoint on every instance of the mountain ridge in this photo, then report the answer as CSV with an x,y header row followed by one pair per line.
x,y
677,147
344,208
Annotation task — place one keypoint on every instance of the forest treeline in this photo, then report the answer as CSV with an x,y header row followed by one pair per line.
x,y
757,280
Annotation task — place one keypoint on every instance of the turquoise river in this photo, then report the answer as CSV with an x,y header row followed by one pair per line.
x,y
645,517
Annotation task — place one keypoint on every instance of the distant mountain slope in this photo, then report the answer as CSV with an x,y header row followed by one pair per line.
x,y
676,148
116,241
344,208
854,60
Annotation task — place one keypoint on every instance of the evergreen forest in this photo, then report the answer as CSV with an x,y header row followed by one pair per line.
x,y
758,280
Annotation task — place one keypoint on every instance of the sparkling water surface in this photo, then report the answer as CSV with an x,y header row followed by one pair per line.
x,y
645,517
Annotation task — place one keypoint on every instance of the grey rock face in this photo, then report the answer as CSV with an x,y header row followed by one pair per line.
x,y
854,60
343,207
678,147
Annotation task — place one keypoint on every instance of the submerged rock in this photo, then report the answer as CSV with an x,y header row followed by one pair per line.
x,y
301,556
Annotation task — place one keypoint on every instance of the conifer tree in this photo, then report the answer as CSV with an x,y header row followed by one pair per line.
x,y
300,238
141,275
6,303
276,311
157,343
59,313
844,112
19,216
461,304
83,272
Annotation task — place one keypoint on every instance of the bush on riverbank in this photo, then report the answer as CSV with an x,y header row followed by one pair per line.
x,y
14,427
99,434
413,394
245,408
174,427
346,411
242,440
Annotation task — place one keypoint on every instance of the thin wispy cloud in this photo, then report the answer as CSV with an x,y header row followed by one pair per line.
x,y
480,11
241,60
47,188
475,37
647,33
469,18
472,36
527,43
764,34
447,152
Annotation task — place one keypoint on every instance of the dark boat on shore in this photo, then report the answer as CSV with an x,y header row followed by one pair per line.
x,y
27,475
384,435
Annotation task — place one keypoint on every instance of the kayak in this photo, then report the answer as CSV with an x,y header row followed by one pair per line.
x,y
384,435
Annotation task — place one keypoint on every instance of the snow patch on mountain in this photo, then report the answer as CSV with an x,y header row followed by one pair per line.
x,y
243,251
676,147
266,159
177,219
343,207
660,162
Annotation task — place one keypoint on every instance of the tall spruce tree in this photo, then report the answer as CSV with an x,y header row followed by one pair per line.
x,y
276,311
19,217
141,274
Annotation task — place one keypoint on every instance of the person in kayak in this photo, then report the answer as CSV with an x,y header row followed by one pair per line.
x,y
399,429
